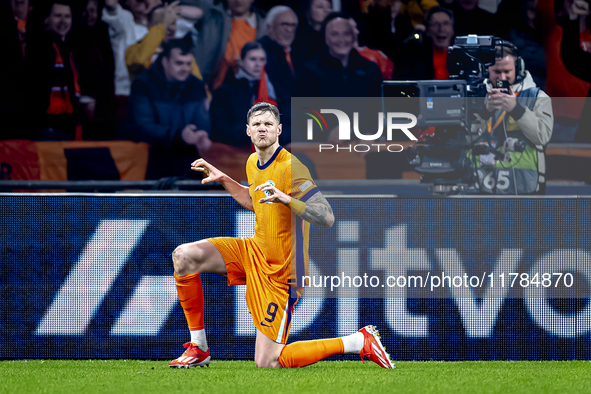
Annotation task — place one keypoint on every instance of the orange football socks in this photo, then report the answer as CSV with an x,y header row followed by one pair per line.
x,y
300,354
190,293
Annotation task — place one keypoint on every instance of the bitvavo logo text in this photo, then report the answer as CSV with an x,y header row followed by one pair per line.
x,y
392,123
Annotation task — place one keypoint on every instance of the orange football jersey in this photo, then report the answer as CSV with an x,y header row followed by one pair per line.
x,y
282,236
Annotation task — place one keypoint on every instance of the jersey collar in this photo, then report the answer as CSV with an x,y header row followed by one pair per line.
x,y
267,164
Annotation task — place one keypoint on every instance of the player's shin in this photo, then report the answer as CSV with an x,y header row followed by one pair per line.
x,y
190,293
300,354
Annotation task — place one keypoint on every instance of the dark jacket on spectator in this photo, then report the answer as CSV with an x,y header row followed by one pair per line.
x,y
578,63
43,74
95,60
229,106
325,76
97,75
160,110
417,60
308,43
277,67
378,25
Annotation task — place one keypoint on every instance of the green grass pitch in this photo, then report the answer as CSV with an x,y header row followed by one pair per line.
x,y
136,376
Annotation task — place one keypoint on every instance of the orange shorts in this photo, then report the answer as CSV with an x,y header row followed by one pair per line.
x,y
269,302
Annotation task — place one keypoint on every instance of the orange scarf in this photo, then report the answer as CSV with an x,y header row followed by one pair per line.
x,y
263,93
59,100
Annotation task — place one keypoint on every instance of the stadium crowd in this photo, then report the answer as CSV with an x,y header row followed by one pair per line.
x,y
181,75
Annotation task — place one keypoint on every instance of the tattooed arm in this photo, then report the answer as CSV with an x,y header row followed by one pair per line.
x,y
318,211
315,211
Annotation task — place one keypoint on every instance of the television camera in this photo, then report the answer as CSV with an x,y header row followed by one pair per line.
x,y
449,115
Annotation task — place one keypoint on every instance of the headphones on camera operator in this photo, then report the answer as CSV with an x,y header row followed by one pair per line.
x,y
520,72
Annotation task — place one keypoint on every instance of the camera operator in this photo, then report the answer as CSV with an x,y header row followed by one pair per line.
x,y
519,125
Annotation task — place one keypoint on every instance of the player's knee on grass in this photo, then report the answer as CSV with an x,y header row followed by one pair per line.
x,y
187,258
266,361
267,353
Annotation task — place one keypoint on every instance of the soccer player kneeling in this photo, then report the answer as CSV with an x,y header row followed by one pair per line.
x,y
286,201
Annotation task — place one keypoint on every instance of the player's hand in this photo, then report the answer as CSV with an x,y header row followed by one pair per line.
x,y
275,195
211,173
499,99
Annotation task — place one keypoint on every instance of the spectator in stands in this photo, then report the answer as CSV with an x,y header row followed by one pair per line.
x,y
20,11
223,31
126,27
281,24
308,42
470,19
340,71
576,59
526,36
282,68
425,56
241,91
168,110
374,55
54,87
162,22
97,72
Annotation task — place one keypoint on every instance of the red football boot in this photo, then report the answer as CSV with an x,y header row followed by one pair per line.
x,y
373,349
192,357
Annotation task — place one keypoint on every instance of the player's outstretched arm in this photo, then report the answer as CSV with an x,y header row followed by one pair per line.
x,y
237,191
315,211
